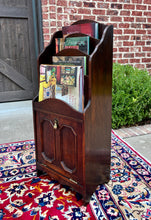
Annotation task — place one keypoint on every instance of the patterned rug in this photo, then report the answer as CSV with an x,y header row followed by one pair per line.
x,y
25,196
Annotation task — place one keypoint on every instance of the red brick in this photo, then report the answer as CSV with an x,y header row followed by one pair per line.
x,y
131,20
146,37
61,17
141,19
135,37
114,50
124,49
128,19
148,65
129,6
102,5
46,37
139,66
59,10
59,24
140,31
146,60
129,31
112,0
84,11
89,4
117,6
89,17
137,13
45,16
147,14
52,1
45,24
148,54
134,60
44,2
129,55
123,37
140,43
117,55
117,31
140,54
128,43
98,12
52,8
53,23
148,43
127,1
45,9
46,30
70,10
75,3
149,20
112,12
52,15
136,25
103,18
147,2
135,49
116,18
62,3
125,13
146,48
118,44
137,1
141,7
75,17
123,61
146,25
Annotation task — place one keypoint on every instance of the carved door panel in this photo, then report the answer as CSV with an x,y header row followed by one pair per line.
x,y
59,142
46,146
69,148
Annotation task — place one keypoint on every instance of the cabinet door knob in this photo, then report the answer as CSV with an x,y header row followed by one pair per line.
x,y
55,126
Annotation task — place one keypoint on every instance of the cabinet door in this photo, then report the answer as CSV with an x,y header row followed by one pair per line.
x,y
46,141
60,145
69,137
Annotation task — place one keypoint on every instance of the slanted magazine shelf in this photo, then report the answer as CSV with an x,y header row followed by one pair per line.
x,y
74,147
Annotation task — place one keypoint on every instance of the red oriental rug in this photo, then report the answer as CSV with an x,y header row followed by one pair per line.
x,y
127,196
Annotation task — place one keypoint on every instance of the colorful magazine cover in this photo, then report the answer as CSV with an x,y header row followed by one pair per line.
x,y
47,82
71,60
82,42
64,83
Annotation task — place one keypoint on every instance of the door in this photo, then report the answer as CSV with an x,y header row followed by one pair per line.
x,y
18,76
59,145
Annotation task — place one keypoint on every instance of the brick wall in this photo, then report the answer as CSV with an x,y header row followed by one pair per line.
x,y
131,20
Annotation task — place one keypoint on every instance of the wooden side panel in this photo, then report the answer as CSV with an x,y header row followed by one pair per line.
x,y
98,115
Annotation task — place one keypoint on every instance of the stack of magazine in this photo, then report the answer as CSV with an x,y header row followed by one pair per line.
x,y
64,78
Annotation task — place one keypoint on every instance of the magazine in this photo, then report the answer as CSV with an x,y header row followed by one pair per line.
x,y
62,82
71,60
80,43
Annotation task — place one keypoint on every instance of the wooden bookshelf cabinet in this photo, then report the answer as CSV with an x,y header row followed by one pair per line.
x,y
74,147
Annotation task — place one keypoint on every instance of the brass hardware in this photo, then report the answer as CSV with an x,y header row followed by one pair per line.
x,y
55,126
73,181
